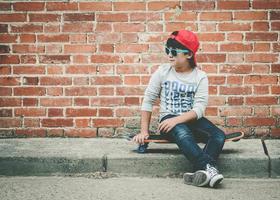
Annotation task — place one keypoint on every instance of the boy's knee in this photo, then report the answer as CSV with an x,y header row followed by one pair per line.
x,y
220,137
180,132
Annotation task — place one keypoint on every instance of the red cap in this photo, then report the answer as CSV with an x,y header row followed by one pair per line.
x,y
188,39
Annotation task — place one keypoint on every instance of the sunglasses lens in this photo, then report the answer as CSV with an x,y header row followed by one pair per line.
x,y
174,52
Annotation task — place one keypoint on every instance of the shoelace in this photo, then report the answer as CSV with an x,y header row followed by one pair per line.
x,y
212,170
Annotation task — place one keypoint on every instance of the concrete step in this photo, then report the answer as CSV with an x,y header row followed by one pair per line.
x,y
58,156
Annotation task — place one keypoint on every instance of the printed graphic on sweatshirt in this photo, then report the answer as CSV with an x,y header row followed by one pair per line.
x,y
179,97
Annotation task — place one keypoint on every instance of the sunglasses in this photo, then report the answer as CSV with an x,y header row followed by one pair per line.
x,y
174,52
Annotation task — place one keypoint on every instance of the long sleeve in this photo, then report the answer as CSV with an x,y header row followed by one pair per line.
x,y
201,98
152,91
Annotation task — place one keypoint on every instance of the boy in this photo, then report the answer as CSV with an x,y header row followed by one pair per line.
x,y
183,92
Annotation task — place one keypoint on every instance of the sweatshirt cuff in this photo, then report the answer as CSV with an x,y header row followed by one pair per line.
x,y
198,112
147,107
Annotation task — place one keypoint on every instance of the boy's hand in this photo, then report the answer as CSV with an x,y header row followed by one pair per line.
x,y
139,138
167,124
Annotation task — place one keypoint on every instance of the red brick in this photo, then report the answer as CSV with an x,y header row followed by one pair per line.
x,y
260,4
261,100
129,27
274,15
275,68
198,5
26,28
27,38
235,90
275,89
79,17
233,5
28,6
216,16
112,122
115,17
131,48
60,6
236,69
29,91
80,69
30,132
234,27
211,37
10,122
78,112
109,80
235,100
55,102
239,47
9,59
125,6
216,58
28,48
77,27
13,17
44,17
10,102
9,81
250,15
29,70
82,123
79,48
5,6
95,6
259,121
81,91
84,133
54,59
265,36
59,122
236,111
53,38
30,112
260,79
4,49
261,57
6,113
55,80
3,28
105,59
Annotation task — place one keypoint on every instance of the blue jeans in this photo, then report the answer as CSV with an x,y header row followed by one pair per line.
x,y
187,135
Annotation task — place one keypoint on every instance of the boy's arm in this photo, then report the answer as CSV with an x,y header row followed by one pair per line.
x,y
152,92
145,121
200,103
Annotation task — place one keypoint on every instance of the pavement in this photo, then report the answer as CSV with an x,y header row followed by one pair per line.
x,y
142,188
246,158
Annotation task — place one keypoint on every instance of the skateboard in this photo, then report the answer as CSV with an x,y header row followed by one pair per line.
x,y
142,148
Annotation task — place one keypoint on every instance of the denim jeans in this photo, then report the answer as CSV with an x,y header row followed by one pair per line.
x,y
187,135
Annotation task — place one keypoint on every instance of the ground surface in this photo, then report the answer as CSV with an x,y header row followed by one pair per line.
x,y
94,187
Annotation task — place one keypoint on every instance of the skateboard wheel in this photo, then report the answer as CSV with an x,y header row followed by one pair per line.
x,y
142,148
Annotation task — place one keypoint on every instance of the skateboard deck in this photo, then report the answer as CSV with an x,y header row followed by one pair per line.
x,y
233,136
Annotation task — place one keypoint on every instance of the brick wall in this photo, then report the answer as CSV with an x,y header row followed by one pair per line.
x,y
79,69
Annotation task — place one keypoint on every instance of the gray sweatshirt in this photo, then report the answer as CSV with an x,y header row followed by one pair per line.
x,y
178,92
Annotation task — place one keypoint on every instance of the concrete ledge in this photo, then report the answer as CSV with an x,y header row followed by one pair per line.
x,y
52,156
273,147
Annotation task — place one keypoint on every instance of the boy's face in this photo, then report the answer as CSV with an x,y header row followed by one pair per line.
x,y
181,59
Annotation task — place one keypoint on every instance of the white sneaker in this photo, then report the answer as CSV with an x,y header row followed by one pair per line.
x,y
215,176
198,178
